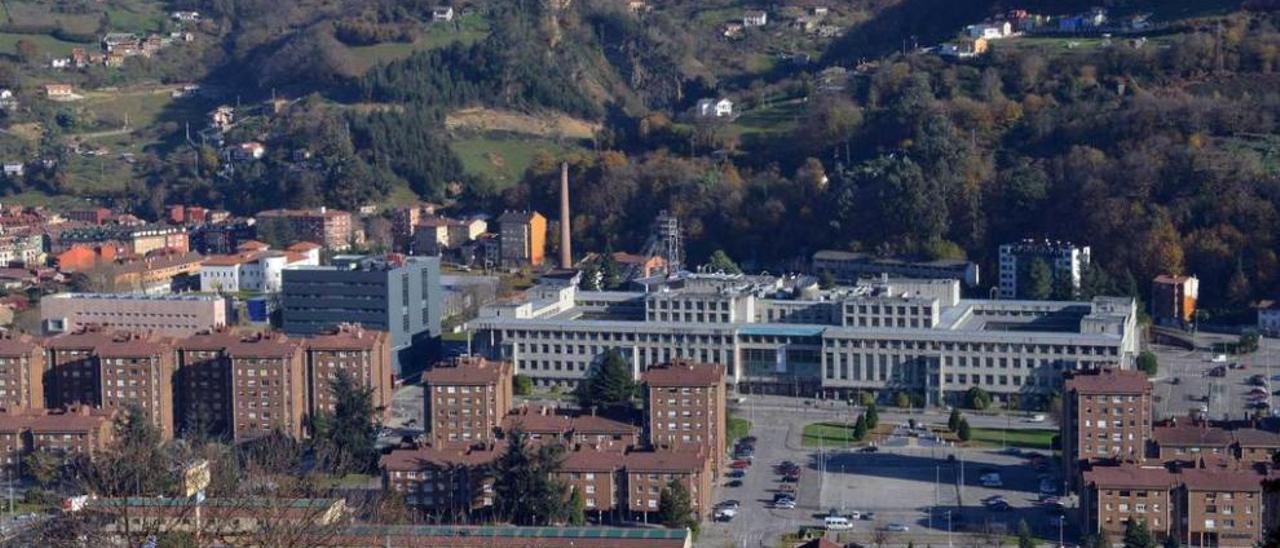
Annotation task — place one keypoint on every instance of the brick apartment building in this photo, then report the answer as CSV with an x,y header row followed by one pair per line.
x,y
1189,441
75,430
113,371
268,386
21,372
1220,507
597,474
328,227
1112,495
204,382
649,472
453,479
523,237
686,408
362,353
467,398
1107,416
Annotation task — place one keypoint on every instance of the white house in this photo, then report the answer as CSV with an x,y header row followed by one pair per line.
x,y
60,62
755,19
715,108
14,169
252,150
186,16
7,100
990,31
255,271
442,14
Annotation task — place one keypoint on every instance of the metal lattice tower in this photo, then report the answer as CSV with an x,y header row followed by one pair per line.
x,y
664,241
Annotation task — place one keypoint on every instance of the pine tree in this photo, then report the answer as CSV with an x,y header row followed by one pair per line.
x,y
675,507
1039,281
525,487
1171,541
347,443
873,417
953,422
1025,540
611,385
1136,535
577,509
963,431
860,428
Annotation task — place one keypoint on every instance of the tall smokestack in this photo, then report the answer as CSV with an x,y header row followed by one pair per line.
x,y
566,247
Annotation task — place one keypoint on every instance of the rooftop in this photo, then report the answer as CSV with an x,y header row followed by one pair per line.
x,y
664,461
1110,381
1129,475
685,373
444,455
1187,434
468,370
1221,480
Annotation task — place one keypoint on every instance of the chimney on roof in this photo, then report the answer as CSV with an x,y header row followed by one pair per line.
x,y
566,244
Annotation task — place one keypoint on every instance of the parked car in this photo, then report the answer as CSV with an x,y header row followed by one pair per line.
x,y
897,528
737,473
739,464
868,516
733,483
1048,487
729,504
837,523
785,504
869,449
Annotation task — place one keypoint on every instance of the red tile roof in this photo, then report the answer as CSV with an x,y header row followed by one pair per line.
x,y
593,424
685,373
1110,381
18,345
444,455
1221,480
1190,435
592,460
1253,437
466,370
1130,476
680,462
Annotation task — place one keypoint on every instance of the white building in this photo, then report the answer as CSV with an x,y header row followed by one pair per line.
x,y
1066,263
714,108
755,19
990,31
14,169
186,16
785,335
253,271
442,14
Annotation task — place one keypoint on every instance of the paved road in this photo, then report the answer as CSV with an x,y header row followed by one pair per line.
x,y
1227,395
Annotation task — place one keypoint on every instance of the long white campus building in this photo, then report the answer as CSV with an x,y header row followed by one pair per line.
x,y
785,335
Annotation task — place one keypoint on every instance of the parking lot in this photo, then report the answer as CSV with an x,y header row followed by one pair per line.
x,y
1227,396
906,482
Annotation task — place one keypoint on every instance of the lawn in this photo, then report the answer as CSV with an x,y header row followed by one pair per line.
x,y
830,434
464,30
775,117
502,160
103,175
61,202
736,429
1026,439
46,44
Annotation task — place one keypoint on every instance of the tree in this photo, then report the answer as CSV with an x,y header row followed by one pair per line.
x,y
826,280
522,385
1171,541
860,428
347,444
610,386
866,398
1025,539
1039,280
675,507
577,509
1248,342
720,262
873,417
963,431
41,467
953,422
525,487
977,398
1147,363
902,399
134,464
1136,535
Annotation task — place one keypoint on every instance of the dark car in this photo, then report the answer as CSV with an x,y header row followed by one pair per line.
x,y
791,478
733,483
737,473
869,449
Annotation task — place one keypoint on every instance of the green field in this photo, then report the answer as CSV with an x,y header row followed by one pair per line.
x,y
124,16
98,176
1026,439
502,160
736,429
47,45
775,117
465,30
829,434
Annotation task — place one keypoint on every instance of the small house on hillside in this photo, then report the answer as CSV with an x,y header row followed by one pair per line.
x,y
755,19
442,14
714,108
57,90
964,48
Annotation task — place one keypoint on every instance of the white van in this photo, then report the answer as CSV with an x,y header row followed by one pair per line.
x,y
838,523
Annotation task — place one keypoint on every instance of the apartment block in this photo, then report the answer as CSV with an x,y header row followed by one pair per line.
x,y
1108,416
1221,507
686,408
649,472
114,371
363,354
21,373
204,379
453,479
1113,495
1173,299
1066,262
467,399
268,386
396,294
1189,441
167,314
597,474
523,237
574,428
328,227
1254,446
76,430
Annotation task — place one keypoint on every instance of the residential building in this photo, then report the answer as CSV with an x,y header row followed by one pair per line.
x,y
204,381
442,14
554,425
1220,507
453,479
1173,299
649,472
848,267
1190,441
77,430
363,354
397,294
466,399
83,257
93,216
258,271
175,315
755,19
523,238
964,48
1255,446
58,91
328,227
686,408
1269,318
21,372
157,273
990,31
114,371
404,221
597,474
269,386
786,335
1065,260
27,250
222,238
643,266
714,108
1111,496
1108,416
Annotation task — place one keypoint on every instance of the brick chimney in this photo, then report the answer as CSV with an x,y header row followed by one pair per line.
x,y
566,235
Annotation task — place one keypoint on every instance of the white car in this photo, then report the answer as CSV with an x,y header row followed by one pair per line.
x,y
1219,358
785,504
897,528
1038,417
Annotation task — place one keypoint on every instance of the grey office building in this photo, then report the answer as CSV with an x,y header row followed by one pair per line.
x,y
397,294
